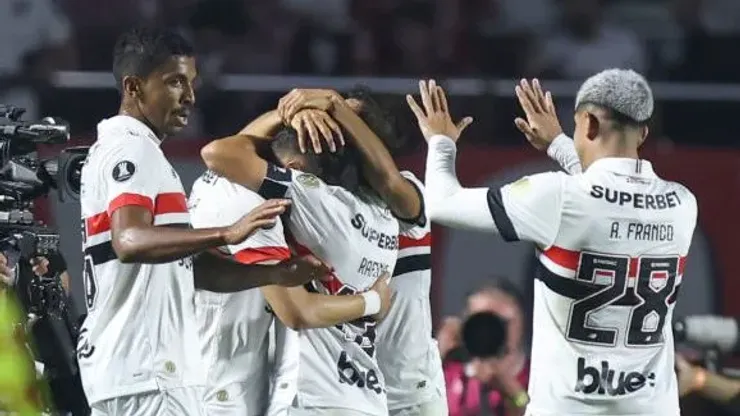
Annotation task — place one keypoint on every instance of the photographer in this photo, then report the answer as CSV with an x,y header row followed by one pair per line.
x,y
713,387
485,364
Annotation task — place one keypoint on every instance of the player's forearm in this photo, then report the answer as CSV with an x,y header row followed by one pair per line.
x,y
264,126
380,169
447,202
718,388
236,159
221,275
163,244
299,309
563,151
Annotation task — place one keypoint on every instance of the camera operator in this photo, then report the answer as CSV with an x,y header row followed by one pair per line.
x,y
714,387
480,382
65,385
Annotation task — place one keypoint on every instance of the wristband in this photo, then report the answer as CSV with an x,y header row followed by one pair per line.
x,y
372,302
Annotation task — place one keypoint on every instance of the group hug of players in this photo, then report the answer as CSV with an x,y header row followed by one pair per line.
x,y
304,234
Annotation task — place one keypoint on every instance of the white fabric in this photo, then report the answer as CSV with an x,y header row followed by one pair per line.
x,y
434,407
407,353
358,237
139,334
448,203
175,402
563,151
614,241
234,327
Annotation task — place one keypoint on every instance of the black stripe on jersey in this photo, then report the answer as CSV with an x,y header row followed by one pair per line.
x,y
500,217
415,263
575,289
103,252
421,219
275,184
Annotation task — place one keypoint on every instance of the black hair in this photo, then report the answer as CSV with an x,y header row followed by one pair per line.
x,y
340,168
378,118
142,50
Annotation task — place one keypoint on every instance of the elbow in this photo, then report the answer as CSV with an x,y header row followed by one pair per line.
x,y
125,248
210,155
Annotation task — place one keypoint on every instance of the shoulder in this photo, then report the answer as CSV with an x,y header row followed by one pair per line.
x,y
545,183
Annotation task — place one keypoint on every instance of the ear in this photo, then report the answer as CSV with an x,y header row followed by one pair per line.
x,y
593,126
132,87
645,132
295,163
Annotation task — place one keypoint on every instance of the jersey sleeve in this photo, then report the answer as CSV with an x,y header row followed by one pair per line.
x,y
214,202
310,196
563,151
529,209
130,173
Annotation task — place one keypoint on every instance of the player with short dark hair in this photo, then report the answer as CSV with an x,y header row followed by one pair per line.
x,y
138,350
612,242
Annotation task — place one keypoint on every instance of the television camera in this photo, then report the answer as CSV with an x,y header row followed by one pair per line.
x,y
23,178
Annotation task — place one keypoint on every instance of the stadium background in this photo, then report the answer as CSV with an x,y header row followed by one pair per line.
x,y
55,54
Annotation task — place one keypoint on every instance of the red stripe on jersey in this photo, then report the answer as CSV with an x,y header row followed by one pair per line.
x,y
332,283
165,203
130,199
569,259
170,202
406,241
261,254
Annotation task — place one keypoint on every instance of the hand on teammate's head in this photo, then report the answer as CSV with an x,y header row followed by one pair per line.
x,y
320,127
435,118
383,289
541,125
264,216
299,99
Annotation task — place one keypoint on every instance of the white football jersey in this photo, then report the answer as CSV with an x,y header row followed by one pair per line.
x,y
359,239
614,242
407,353
139,334
234,326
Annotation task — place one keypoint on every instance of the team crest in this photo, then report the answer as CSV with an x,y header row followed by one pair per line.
x,y
123,171
308,180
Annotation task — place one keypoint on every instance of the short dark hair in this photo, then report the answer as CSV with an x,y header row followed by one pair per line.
x,y
340,168
379,119
139,51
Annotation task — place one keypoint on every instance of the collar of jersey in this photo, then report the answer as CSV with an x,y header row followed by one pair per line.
x,y
623,165
135,125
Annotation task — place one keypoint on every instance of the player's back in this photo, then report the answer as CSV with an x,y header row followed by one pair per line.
x,y
234,327
358,237
407,353
138,335
606,290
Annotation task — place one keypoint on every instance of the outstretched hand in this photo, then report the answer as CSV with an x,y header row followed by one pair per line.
x,y
435,118
541,126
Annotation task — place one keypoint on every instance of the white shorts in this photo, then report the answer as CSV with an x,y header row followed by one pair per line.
x,y
434,407
185,401
324,411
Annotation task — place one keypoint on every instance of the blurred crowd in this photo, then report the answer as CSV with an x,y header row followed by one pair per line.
x,y
684,40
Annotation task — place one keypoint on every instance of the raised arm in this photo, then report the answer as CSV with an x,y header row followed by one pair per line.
x,y
403,198
236,157
542,127
528,209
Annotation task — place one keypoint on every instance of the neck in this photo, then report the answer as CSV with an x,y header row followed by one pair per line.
x,y
132,110
614,148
